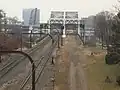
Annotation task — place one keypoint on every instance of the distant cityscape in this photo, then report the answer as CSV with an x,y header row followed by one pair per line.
x,y
70,19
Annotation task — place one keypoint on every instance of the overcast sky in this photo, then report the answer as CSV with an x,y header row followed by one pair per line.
x,y
84,7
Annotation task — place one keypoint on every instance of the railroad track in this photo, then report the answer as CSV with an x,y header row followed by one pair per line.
x,y
14,56
40,66
42,73
8,67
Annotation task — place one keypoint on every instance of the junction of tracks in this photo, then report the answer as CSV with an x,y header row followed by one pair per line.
x,y
50,60
56,55
60,64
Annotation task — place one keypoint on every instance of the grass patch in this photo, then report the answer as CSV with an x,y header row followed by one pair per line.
x,y
97,72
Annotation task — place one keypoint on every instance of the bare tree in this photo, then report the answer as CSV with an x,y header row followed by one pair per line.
x,y
103,26
12,20
1,17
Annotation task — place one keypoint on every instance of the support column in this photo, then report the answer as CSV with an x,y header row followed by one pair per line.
x,y
49,26
64,33
78,27
84,36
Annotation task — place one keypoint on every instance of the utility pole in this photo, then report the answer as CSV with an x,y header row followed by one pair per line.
x,y
31,28
83,32
21,41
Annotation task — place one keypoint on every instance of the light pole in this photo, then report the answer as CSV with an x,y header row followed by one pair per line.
x,y
62,29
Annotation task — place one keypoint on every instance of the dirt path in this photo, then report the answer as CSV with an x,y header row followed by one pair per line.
x,y
73,57
77,80
72,77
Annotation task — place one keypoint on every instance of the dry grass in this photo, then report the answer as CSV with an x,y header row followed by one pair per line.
x,y
97,71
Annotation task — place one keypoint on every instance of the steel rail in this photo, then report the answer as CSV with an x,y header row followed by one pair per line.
x,y
45,63
30,59
29,52
33,70
29,76
16,63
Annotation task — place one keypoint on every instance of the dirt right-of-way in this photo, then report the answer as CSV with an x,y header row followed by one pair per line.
x,y
77,60
76,79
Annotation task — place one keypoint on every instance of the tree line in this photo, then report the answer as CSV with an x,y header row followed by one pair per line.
x,y
7,20
107,32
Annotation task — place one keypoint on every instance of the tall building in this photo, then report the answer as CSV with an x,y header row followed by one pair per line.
x,y
29,16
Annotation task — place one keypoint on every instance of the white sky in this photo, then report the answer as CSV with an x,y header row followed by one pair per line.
x,y
85,7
